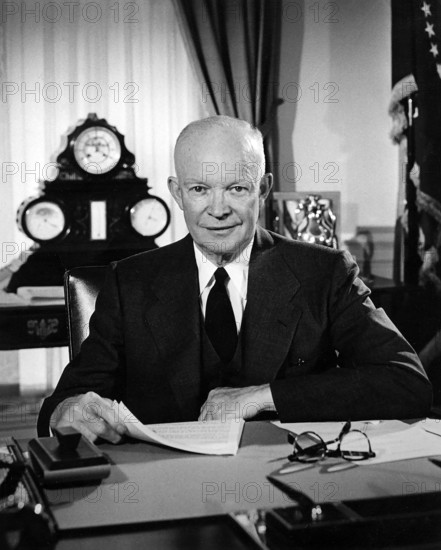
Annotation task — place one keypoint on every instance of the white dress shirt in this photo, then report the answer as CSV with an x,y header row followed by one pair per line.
x,y
236,285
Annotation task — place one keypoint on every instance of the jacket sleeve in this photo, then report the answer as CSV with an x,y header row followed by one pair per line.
x,y
378,375
100,364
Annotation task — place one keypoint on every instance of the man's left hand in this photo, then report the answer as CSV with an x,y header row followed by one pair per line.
x,y
228,403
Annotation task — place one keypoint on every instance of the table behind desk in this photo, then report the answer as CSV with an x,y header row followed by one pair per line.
x,y
33,327
151,484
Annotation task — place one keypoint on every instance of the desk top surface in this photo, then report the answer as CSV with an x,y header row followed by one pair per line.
x,y
150,483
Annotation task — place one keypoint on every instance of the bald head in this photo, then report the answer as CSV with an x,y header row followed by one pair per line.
x,y
220,185
219,131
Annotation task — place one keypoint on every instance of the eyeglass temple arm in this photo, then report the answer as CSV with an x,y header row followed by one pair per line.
x,y
309,509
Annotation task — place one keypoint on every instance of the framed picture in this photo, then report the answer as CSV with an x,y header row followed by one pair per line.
x,y
313,216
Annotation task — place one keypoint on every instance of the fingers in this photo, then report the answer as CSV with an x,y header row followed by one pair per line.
x,y
207,412
218,405
210,409
235,403
92,415
108,410
100,418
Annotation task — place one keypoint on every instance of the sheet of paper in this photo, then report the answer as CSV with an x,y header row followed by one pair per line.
x,y
411,443
431,425
210,437
11,299
330,430
391,440
42,295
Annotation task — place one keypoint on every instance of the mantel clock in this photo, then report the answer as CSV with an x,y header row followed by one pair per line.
x,y
96,210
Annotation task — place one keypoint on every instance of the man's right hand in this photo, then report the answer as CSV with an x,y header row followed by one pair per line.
x,y
92,415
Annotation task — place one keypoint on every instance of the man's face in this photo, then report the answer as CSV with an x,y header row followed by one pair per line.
x,y
220,191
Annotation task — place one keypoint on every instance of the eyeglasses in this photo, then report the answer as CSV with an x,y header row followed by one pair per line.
x,y
352,445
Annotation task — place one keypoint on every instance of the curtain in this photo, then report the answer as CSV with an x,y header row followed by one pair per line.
x,y
236,48
59,61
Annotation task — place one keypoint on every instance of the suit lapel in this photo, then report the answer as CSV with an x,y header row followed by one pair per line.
x,y
271,317
172,313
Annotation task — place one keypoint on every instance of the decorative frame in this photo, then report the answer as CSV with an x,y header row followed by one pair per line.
x,y
282,200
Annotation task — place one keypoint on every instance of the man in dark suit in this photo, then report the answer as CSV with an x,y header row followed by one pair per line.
x,y
299,336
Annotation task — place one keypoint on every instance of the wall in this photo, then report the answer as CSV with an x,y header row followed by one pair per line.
x,y
335,80
334,124
340,47
60,61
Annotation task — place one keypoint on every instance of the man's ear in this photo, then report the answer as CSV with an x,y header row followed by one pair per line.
x,y
175,190
265,186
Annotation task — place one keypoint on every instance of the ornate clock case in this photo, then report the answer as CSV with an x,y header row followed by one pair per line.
x,y
96,210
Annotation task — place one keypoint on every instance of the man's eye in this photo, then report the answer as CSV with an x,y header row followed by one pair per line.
x,y
197,189
238,189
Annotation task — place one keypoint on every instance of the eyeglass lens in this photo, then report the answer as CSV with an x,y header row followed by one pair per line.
x,y
355,446
310,447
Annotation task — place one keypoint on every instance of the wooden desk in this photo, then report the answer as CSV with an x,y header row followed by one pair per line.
x,y
212,533
166,499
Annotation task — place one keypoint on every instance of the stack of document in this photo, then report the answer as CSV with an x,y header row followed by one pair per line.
x,y
41,295
33,296
212,437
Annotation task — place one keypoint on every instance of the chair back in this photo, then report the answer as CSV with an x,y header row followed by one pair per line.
x,y
81,287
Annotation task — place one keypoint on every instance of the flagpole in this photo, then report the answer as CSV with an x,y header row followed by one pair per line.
x,y
412,260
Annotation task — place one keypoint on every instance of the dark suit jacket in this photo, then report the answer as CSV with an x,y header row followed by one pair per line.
x,y
306,313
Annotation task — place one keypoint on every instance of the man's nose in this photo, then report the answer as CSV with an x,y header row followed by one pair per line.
x,y
219,206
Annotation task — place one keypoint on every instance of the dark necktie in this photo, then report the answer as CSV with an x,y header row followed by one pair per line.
x,y
220,324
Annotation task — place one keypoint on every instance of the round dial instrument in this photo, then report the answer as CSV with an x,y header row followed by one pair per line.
x,y
149,217
43,220
97,150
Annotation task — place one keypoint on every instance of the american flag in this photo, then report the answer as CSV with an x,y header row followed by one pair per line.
x,y
416,54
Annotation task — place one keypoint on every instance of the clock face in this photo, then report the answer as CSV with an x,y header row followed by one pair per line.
x,y
43,220
149,217
97,150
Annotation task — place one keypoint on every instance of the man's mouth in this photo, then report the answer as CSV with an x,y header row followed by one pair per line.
x,y
221,228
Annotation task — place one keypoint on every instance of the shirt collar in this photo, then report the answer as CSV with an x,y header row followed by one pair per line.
x,y
237,269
